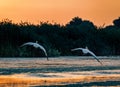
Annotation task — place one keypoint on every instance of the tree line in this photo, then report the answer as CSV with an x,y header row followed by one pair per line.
x,y
58,39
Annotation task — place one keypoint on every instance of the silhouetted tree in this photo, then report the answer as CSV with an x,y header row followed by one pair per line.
x,y
57,39
116,22
75,21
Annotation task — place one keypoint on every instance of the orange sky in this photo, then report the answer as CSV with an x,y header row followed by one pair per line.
x,y
60,11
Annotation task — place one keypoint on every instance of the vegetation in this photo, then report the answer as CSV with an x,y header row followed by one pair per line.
x,y
58,39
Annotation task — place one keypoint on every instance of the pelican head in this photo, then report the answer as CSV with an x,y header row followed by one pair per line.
x,y
36,41
86,47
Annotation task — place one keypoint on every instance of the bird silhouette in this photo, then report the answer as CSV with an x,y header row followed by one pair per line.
x,y
36,45
87,51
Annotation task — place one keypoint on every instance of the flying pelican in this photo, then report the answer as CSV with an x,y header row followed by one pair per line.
x,y
36,45
86,51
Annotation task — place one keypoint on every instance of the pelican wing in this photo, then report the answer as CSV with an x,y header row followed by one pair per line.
x,y
42,48
76,49
94,56
28,43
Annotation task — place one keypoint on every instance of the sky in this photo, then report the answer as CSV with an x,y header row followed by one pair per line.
x,y
60,11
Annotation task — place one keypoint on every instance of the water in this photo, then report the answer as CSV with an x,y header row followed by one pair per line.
x,y
62,67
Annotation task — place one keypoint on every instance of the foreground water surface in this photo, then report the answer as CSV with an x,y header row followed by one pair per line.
x,y
63,67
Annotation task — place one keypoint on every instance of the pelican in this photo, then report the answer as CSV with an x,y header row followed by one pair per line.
x,y
86,51
36,45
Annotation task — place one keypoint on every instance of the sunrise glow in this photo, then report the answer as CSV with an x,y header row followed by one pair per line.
x,y
60,11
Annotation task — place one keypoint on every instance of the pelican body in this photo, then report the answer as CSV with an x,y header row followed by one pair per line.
x,y
36,45
87,51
